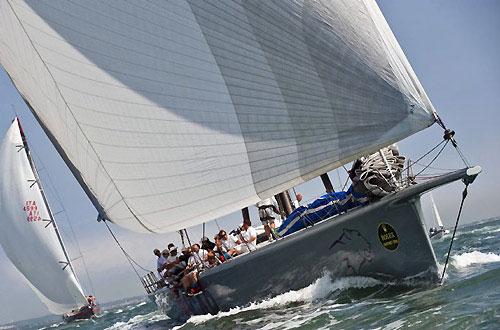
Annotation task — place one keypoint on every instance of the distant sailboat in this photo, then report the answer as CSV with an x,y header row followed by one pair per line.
x,y
438,231
30,236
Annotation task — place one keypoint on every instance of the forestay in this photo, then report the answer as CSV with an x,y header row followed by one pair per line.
x,y
28,240
172,113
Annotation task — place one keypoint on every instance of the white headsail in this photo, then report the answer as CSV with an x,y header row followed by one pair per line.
x,y
173,113
439,223
27,236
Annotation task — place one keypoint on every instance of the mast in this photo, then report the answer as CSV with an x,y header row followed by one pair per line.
x,y
51,216
327,183
245,213
284,202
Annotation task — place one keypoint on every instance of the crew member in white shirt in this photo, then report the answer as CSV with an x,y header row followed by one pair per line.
x,y
163,269
159,262
267,210
228,243
248,238
199,256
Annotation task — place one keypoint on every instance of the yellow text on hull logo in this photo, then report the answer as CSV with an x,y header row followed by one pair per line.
x,y
388,236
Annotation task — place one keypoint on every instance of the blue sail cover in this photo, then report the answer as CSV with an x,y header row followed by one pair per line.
x,y
322,208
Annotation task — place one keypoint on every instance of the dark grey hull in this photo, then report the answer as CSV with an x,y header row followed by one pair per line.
x,y
386,239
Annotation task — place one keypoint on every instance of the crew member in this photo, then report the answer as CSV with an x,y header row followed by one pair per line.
x,y
267,210
296,203
159,262
248,238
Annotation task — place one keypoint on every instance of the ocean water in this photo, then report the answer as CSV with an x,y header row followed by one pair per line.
x,y
469,298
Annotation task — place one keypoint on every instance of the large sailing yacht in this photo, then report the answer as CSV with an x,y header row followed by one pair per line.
x,y
174,113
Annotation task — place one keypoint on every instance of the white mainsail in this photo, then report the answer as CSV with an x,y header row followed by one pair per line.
x,y
28,239
173,113
437,218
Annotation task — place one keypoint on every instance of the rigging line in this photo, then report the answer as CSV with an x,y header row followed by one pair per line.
x,y
340,180
347,179
218,227
464,195
59,199
449,135
460,153
433,159
14,110
435,168
129,258
422,157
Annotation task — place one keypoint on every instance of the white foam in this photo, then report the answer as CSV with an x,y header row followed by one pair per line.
x,y
119,311
467,259
137,320
320,289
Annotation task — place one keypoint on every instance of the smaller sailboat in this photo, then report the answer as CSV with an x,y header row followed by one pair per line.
x,y
30,236
438,231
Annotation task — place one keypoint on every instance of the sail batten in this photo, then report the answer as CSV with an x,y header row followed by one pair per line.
x,y
173,113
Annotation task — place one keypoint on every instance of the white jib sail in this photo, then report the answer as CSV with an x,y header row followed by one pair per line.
x,y
436,213
173,113
28,240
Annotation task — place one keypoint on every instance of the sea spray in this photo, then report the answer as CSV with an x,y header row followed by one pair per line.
x,y
137,321
320,289
467,259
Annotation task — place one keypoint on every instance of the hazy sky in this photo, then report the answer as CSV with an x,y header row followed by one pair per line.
x,y
454,48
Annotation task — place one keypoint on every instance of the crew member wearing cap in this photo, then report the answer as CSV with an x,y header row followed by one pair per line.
x,y
172,251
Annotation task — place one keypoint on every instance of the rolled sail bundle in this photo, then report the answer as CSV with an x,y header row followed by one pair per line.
x,y
376,177
322,208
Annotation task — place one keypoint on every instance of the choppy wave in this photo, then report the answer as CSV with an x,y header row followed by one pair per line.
x,y
137,321
464,300
467,259
320,289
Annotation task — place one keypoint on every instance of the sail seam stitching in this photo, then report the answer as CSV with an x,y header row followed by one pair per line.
x,y
74,118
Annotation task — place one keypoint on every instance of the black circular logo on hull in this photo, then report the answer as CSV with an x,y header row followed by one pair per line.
x,y
388,236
